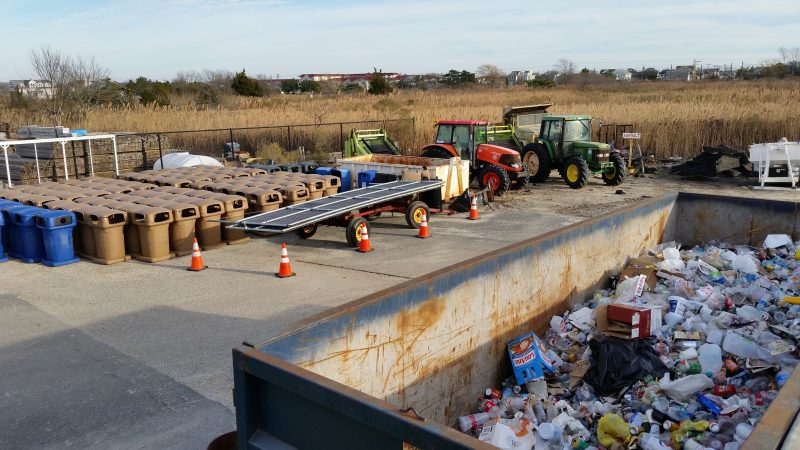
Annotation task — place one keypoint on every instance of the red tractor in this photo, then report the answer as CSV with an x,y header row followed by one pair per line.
x,y
495,167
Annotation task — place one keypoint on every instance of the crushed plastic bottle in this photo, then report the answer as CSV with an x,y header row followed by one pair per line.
x,y
723,342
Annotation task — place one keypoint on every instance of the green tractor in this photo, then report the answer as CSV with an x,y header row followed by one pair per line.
x,y
564,143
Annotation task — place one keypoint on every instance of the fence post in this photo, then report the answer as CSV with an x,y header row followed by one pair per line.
x,y
288,138
341,138
160,154
230,130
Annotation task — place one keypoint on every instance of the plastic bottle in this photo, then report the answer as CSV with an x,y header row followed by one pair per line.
x,y
472,421
743,347
743,431
749,312
707,403
651,442
710,356
782,377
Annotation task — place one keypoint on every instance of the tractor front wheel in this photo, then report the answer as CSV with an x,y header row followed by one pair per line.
x,y
537,162
617,174
576,172
519,183
495,178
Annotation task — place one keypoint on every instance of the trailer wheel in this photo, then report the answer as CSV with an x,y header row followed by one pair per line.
x,y
371,217
306,232
354,229
414,214
617,174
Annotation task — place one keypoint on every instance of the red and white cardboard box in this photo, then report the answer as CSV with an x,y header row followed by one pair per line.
x,y
643,320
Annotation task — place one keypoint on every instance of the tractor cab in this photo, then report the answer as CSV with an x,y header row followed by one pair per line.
x,y
498,167
565,143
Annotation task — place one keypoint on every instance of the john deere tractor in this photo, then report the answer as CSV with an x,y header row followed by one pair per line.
x,y
496,168
564,143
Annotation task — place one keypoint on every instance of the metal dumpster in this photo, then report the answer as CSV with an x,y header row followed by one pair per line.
x,y
430,343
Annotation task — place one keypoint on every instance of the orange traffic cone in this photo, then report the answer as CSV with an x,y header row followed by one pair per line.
x,y
364,246
197,258
423,227
285,269
473,209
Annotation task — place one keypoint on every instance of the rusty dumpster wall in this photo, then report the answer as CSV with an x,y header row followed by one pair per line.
x,y
432,342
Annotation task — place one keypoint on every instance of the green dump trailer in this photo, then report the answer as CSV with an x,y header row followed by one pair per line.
x,y
366,142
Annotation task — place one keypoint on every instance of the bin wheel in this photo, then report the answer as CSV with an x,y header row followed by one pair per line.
x,y
354,229
306,232
414,214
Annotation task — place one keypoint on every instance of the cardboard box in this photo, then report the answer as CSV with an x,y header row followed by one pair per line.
x,y
628,321
644,265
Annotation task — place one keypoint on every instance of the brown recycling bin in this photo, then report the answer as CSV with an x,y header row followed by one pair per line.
x,y
95,201
130,230
208,229
176,182
332,184
66,195
39,200
87,248
235,206
109,240
153,225
316,188
181,230
261,199
254,171
201,184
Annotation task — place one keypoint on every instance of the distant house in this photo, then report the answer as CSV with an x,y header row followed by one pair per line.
x,y
32,88
681,73
520,77
357,78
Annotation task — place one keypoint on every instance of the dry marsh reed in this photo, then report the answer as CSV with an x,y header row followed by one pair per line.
x,y
675,119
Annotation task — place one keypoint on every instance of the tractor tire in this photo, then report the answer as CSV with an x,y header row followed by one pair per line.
x,y
353,230
576,172
537,162
519,183
414,214
306,232
616,177
495,178
436,152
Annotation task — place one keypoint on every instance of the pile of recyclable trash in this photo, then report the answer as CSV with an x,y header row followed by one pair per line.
x,y
686,352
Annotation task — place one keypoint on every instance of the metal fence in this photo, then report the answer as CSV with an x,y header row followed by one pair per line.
x,y
315,139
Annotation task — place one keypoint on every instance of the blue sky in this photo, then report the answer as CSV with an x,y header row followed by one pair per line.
x,y
158,38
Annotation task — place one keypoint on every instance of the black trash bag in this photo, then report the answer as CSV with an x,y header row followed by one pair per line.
x,y
619,363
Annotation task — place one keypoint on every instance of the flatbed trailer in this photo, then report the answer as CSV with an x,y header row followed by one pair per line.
x,y
350,209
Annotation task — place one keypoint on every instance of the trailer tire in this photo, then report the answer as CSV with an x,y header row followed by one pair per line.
x,y
306,232
537,162
414,214
576,172
616,177
494,177
353,230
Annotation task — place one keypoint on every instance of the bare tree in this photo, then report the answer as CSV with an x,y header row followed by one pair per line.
x,y
565,66
75,82
784,52
491,74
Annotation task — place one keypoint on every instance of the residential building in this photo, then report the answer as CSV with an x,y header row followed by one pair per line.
x,y
520,77
344,77
32,88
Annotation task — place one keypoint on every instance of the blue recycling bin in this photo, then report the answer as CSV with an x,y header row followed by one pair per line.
x,y
344,175
366,177
2,252
25,237
12,245
5,204
323,170
56,228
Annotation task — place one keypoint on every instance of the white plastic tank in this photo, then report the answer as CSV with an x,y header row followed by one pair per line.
x,y
184,159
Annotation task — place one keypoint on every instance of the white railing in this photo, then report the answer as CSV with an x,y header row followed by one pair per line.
x,y
63,141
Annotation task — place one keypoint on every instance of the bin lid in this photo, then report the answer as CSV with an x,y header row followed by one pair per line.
x,y
50,220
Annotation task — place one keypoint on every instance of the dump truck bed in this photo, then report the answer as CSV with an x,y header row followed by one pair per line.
x,y
432,342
